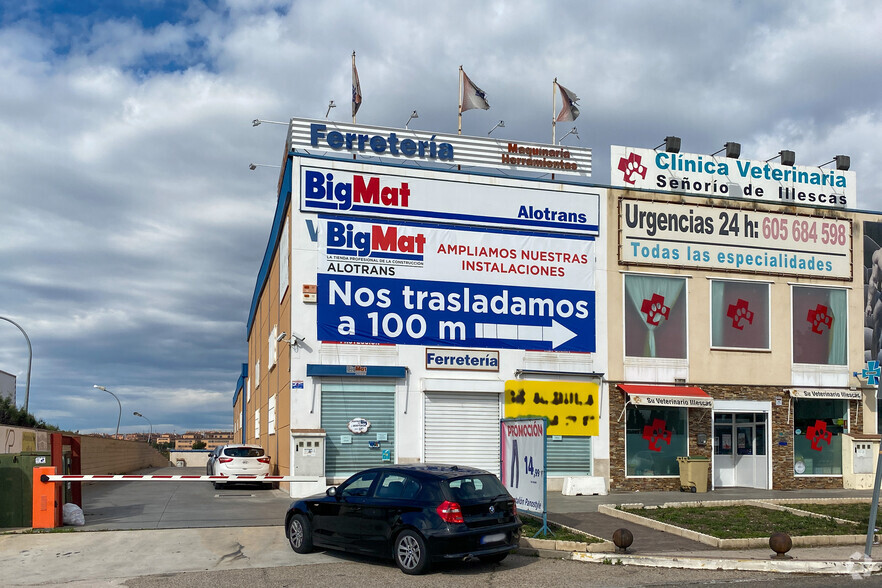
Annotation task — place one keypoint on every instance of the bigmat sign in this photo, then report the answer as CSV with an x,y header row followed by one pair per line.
x,y
722,177
358,190
416,284
730,239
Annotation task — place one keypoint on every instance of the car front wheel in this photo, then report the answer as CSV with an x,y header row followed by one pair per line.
x,y
411,555
300,534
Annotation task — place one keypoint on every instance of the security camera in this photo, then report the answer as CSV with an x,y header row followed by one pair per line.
x,y
297,336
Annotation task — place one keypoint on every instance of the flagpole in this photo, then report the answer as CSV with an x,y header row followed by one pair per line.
x,y
553,122
460,101
353,83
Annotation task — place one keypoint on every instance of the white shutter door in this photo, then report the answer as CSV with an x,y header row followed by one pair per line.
x,y
462,429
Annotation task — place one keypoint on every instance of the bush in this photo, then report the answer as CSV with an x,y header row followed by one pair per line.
x,y
12,415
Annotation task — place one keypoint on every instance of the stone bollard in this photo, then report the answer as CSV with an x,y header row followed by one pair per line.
x,y
622,538
781,543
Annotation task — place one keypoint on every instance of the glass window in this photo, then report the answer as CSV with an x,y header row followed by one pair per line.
x,y
654,439
396,485
817,436
655,316
820,323
739,315
473,487
723,434
358,485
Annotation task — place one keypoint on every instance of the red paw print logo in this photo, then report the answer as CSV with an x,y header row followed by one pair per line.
x,y
818,317
817,433
740,314
631,167
655,309
656,433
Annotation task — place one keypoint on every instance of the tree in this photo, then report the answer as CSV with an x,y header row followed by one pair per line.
x,y
12,415
199,444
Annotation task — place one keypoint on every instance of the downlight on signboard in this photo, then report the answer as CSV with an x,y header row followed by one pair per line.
x,y
722,177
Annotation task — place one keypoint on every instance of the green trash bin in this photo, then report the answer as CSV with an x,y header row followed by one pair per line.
x,y
693,473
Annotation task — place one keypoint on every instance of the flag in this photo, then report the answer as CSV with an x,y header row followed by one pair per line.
x,y
356,88
569,110
472,95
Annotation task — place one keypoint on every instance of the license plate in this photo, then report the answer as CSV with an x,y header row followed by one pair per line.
x,y
494,538
245,462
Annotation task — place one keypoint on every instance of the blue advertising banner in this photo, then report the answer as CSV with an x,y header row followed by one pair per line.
x,y
365,309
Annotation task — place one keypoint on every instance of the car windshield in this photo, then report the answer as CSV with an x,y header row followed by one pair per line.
x,y
476,487
243,452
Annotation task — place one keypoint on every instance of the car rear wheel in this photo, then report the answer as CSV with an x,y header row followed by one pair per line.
x,y
411,555
493,559
300,534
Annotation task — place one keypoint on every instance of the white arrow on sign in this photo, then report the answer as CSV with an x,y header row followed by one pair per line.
x,y
557,334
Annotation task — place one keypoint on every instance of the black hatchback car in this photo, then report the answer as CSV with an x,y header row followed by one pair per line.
x,y
415,514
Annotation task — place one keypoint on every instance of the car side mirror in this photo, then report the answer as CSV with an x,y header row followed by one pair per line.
x,y
332,491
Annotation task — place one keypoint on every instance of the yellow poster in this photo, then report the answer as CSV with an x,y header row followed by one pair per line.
x,y
572,408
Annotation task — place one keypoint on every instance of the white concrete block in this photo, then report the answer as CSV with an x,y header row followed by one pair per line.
x,y
584,485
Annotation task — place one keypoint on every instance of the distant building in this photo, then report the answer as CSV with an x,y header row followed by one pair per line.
x,y
7,386
211,439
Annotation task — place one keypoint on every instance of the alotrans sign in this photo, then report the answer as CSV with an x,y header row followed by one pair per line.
x,y
722,177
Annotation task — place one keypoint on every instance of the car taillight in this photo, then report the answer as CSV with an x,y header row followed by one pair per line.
x,y
264,459
225,459
514,509
450,512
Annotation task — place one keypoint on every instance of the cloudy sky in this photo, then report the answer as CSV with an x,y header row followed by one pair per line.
x,y
132,229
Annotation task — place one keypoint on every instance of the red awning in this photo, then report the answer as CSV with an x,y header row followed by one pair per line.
x,y
675,396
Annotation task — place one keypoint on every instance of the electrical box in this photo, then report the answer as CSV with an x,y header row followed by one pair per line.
x,y
309,452
863,457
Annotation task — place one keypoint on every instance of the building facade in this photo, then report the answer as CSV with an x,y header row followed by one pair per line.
x,y
417,288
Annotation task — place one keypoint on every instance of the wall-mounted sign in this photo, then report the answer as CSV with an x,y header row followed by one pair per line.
x,y
410,145
730,239
827,394
722,177
371,191
359,426
572,408
409,284
476,360
373,444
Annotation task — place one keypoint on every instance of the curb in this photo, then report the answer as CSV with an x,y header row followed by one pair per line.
x,y
857,568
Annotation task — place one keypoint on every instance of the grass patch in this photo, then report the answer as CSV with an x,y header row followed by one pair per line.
x,y
740,522
532,525
857,512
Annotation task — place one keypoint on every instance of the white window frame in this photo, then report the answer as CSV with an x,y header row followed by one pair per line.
x,y
271,415
711,314
257,424
273,347
826,367
638,359
257,373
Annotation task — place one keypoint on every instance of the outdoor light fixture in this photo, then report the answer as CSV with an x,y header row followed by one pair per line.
x,y
498,125
150,435
254,166
298,339
30,359
843,162
732,149
413,115
672,144
330,106
572,131
256,122
787,157
117,401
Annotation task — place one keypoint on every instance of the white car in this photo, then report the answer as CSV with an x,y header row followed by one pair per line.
x,y
240,460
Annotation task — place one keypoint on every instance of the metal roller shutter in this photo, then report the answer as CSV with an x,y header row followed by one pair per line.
x,y
340,404
569,456
462,428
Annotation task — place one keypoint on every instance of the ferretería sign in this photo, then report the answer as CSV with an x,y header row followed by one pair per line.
x,y
722,177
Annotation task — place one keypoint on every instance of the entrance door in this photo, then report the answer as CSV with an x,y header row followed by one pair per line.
x,y
740,450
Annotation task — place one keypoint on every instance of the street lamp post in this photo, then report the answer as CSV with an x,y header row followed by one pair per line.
x,y
119,418
138,414
30,359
